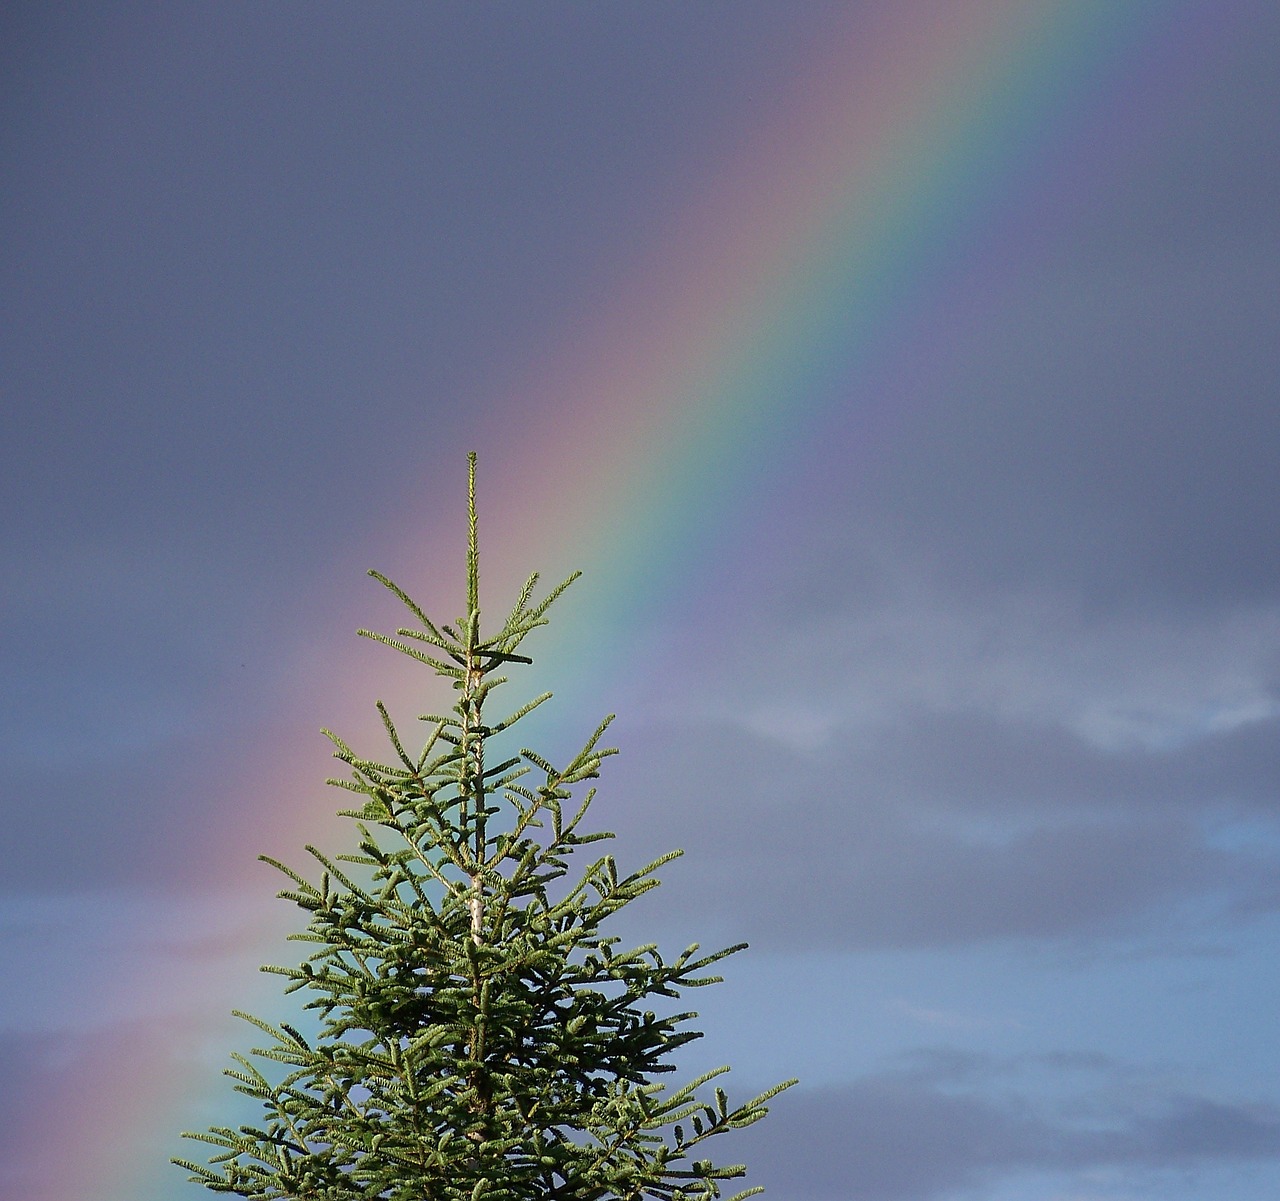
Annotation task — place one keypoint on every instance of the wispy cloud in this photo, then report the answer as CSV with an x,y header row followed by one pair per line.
x,y
919,1132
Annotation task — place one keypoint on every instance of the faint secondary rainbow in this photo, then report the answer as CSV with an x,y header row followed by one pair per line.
x,y
771,305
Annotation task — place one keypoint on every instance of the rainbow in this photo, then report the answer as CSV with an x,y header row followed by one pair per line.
x,y
919,133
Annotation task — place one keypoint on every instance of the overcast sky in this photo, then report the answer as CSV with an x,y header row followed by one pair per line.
x,y
961,692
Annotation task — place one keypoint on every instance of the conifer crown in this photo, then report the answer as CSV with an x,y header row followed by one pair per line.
x,y
480,1037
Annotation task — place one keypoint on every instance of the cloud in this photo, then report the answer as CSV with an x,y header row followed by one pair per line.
x,y
934,1127
881,633
955,828
913,766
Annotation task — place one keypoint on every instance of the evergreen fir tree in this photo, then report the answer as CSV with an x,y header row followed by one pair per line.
x,y
480,1037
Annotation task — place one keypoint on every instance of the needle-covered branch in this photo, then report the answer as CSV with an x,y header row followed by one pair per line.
x,y
470,1031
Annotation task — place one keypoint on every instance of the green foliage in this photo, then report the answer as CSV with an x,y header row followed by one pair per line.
x,y
480,1038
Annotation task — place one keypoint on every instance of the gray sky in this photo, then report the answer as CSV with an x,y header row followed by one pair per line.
x,y
966,713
